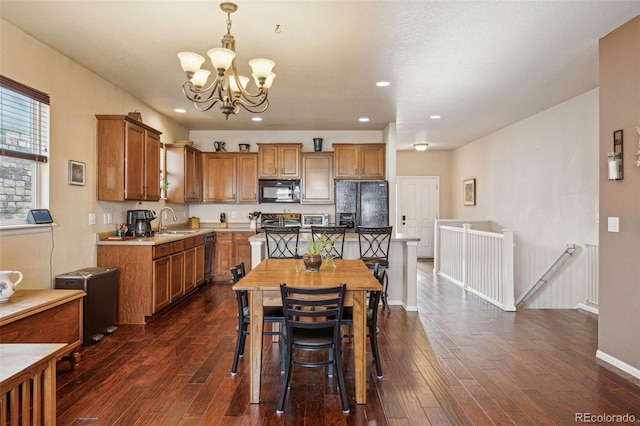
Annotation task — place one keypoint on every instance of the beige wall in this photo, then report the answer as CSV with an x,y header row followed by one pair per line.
x,y
619,320
76,96
539,177
430,163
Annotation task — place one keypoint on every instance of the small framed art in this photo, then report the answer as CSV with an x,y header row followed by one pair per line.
x,y
469,192
76,173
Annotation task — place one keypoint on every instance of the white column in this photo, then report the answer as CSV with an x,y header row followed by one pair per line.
x,y
410,279
256,253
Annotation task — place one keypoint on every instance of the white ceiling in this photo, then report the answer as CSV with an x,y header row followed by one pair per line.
x,y
480,65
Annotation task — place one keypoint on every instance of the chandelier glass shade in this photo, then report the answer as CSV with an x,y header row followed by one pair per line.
x,y
228,88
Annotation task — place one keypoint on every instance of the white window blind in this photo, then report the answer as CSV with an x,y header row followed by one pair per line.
x,y
24,151
24,121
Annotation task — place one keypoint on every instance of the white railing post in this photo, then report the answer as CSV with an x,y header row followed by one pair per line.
x,y
436,247
507,270
465,230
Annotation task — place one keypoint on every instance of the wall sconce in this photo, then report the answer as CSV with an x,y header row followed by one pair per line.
x,y
614,159
420,146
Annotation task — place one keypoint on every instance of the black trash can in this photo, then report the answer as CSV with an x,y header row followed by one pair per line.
x,y
99,306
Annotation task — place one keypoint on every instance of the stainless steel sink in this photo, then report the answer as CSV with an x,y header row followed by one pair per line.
x,y
177,232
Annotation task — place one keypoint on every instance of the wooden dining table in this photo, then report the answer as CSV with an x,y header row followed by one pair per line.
x,y
263,285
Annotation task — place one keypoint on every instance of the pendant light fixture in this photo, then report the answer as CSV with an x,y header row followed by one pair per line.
x,y
228,88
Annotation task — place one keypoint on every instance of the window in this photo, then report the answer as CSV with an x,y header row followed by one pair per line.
x,y
24,150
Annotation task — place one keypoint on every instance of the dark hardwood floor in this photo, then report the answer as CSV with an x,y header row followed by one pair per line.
x,y
459,360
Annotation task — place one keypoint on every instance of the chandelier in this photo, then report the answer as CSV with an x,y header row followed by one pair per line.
x,y
228,88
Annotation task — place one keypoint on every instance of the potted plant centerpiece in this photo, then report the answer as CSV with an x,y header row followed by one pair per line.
x,y
314,252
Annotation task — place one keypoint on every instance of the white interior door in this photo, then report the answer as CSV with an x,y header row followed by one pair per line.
x,y
418,198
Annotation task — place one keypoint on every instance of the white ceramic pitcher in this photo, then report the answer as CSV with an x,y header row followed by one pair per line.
x,y
8,287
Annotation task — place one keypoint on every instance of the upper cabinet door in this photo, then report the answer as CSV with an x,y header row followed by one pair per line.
x,y
152,169
247,181
219,178
289,160
372,159
317,178
134,163
346,161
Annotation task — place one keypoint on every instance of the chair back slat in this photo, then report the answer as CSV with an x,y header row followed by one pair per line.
x,y
333,236
374,244
282,241
306,308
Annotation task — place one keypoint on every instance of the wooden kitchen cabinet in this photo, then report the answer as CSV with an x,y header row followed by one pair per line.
x,y
151,278
183,171
359,161
128,159
230,178
231,248
279,161
317,178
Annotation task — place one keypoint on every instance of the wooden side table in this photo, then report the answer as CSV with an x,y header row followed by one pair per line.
x,y
44,316
28,382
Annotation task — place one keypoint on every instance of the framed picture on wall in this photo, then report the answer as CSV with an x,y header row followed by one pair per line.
x,y
76,172
469,192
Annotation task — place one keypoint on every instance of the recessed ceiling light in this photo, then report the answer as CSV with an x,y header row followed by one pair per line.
x,y
434,117
363,119
383,84
256,119
181,110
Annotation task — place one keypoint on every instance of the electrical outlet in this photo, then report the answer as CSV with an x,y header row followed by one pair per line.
x,y
105,218
184,215
233,214
613,224
109,218
92,218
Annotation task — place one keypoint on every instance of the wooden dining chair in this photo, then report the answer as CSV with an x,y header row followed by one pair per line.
x,y
313,319
374,249
333,236
282,241
372,318
272,315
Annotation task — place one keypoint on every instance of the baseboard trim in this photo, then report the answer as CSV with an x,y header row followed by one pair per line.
x,y
629,369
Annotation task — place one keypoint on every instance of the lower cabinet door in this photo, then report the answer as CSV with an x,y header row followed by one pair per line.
x,y
200,261
161,277
189,270
177,276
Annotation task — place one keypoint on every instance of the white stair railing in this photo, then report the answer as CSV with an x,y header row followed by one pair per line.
x,y
591,301
479,261
566,253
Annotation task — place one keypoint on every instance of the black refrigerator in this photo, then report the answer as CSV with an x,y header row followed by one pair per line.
x,y
362,203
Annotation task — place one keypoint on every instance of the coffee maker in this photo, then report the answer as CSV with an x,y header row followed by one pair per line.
x,y
139,223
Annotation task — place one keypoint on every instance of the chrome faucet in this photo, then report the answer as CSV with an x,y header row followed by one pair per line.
x,y
161,226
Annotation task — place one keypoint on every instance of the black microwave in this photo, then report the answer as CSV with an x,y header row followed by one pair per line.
x,y
279,191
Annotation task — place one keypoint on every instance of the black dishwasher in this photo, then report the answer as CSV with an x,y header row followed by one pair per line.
x,y
99,306
209,247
